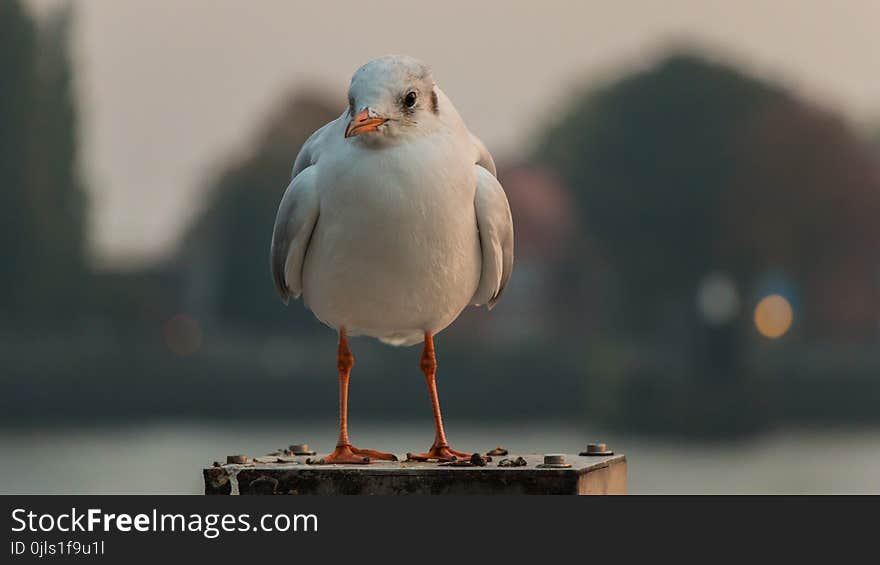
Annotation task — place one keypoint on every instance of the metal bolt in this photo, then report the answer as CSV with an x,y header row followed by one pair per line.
x,y
554,460
236,459
301,449
596,449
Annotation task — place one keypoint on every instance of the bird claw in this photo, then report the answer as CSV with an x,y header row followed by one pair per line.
x,y
439,453
350,455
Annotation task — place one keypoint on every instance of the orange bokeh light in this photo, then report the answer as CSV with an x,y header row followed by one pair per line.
x,y
773,316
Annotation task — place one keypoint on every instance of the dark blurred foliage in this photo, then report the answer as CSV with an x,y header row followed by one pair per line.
x,y
691,167
645,187
804,201
648,158
42,202
17,62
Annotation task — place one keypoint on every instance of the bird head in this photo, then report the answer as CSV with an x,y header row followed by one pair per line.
x,y
391,97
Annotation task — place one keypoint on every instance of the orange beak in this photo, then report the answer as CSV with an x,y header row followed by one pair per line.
x,y
363,123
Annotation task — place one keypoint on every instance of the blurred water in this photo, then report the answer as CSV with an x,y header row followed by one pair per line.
x,y
167,458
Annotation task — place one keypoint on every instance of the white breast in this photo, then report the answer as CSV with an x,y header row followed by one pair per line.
x,y
395,251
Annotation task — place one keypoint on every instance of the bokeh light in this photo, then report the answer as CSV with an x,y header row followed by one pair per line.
x,y
183,335
717,299
773,316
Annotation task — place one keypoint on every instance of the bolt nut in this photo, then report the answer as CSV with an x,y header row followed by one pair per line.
x,y
300,449
554,460
236,459
596,449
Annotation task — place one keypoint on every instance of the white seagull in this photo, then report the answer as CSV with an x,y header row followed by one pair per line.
x,y
392,224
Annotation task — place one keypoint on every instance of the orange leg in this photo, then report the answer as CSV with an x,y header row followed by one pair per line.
x,y
440,450
345,452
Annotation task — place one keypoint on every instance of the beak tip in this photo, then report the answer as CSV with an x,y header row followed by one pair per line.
x,y
363,123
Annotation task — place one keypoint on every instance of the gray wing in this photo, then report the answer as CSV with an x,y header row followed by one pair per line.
x,y
496,238
296,219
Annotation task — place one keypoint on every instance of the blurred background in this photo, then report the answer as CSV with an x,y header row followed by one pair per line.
x,y
695,188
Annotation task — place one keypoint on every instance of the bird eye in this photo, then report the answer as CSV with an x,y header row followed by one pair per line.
x,y
410,99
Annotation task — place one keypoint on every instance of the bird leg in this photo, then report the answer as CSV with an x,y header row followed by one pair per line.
x,y
440,450
345,452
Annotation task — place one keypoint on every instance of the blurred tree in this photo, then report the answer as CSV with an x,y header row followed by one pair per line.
x,y
691,167
692,171
57,202
804,202
648,158
18,37
226,254
42,201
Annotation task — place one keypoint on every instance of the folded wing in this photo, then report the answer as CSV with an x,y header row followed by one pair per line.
x,y
496,237
296,219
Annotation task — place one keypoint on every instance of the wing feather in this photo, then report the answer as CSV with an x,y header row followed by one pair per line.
x,y
297,216
294,224
495,225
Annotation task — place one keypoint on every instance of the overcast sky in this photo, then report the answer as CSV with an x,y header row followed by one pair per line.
x,y
170,89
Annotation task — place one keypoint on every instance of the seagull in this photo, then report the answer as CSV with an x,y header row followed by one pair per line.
x,y
393,223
